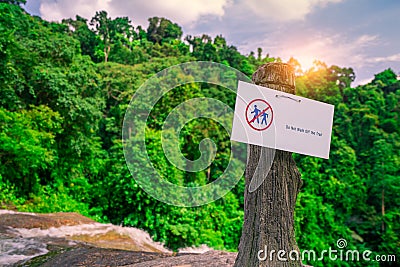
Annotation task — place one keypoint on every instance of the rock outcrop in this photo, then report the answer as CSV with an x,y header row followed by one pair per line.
x,y
70,239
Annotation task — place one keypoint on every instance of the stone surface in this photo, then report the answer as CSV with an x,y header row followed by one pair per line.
x,y
70,239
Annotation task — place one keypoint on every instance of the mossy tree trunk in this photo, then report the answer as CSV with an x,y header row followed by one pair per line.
x,y
269,210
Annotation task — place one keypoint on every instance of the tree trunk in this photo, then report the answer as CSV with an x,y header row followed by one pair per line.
x,y
269,210
107,49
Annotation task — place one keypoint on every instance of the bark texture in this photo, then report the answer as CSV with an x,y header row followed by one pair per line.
x,y
269,210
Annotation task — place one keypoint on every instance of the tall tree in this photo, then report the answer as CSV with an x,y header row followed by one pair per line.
x,y
163,30
111,31
79,29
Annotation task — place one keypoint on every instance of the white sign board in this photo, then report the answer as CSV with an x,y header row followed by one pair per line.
x,y
279,120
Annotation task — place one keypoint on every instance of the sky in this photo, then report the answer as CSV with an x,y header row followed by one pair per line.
x,y
362,34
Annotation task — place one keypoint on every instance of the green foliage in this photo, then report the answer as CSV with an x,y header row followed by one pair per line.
x,y
8,196
111,32
363,172
27,145
15,2
163,30
88,40
64,90
54,200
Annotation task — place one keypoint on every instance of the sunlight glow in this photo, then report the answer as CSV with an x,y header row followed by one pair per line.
x,y
306,62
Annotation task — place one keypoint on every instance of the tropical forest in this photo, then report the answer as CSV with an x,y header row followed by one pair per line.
x,y
64,90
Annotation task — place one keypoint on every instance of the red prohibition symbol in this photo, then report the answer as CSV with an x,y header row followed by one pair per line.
x,y
259,114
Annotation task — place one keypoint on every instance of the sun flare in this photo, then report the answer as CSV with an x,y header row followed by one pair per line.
x,y
306,61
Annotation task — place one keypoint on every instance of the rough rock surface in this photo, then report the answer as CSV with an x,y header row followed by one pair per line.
x,y
42,221
70,239
209,259
97,257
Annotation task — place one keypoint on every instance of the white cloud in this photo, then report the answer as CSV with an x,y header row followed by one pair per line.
x,y
183,12
364,81
58,10
366,40
391,58
286,10
331,48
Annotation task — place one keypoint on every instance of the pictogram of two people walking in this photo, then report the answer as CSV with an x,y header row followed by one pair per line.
x,y
259,113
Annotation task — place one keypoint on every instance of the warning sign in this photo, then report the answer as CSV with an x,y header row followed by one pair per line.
x,y
279,120
259,114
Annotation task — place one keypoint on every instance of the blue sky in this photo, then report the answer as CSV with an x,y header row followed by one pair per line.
x,y
362,34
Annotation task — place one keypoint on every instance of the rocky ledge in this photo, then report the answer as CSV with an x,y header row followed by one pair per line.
x,y
70,239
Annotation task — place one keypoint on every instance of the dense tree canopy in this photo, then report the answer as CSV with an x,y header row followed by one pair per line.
x,y
64,89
